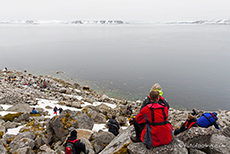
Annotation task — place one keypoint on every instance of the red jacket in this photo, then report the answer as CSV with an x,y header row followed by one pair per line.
x,y
158,131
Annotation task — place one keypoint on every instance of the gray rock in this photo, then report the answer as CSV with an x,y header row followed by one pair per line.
x,y
58,127
84,133
9,125
120,141
1,108
23,142
197,136
2,129
98,146
62,90
76,104
25,150
122,120
226,131
2,148
58,147
22,117
22,107
44,149
39,141
84,122
195,151
7,137
104,137
176,147
219,144
98,118
88,145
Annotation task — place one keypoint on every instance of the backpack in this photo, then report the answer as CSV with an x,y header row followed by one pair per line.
x,y
69,149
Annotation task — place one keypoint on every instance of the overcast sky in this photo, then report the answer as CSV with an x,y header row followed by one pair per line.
x,y
129,10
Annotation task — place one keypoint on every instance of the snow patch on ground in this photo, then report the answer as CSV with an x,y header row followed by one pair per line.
x,y
14,131
108,104
98,127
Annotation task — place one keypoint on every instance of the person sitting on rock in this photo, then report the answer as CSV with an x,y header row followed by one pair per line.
x,y
147,100
190,122
113,125
34,111
129,109
151,123
208,119
73,145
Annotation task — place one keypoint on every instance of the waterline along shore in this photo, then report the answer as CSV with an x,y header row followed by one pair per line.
x,y
88,112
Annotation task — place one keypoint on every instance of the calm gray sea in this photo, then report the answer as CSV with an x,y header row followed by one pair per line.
x,y
191,62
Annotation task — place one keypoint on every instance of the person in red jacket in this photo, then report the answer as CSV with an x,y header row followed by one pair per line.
x,y
151,124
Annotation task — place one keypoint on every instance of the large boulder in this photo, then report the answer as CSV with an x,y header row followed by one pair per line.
x,y
22,117
25,150
84,133
88,145
102,139
21,107
44,149
59,126
98,118
226,131
197,135
176,147
120,142
219,144
23,142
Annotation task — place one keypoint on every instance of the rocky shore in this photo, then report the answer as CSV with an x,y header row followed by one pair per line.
x,y
84,110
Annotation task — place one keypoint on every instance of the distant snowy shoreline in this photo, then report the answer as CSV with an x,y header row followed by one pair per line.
x,y
115,22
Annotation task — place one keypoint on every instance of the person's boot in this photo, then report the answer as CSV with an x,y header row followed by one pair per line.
x,y
135,139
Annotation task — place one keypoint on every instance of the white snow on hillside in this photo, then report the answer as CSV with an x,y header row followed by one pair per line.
x,y
43,103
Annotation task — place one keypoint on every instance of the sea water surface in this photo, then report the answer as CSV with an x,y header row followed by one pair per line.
x,y
190,62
